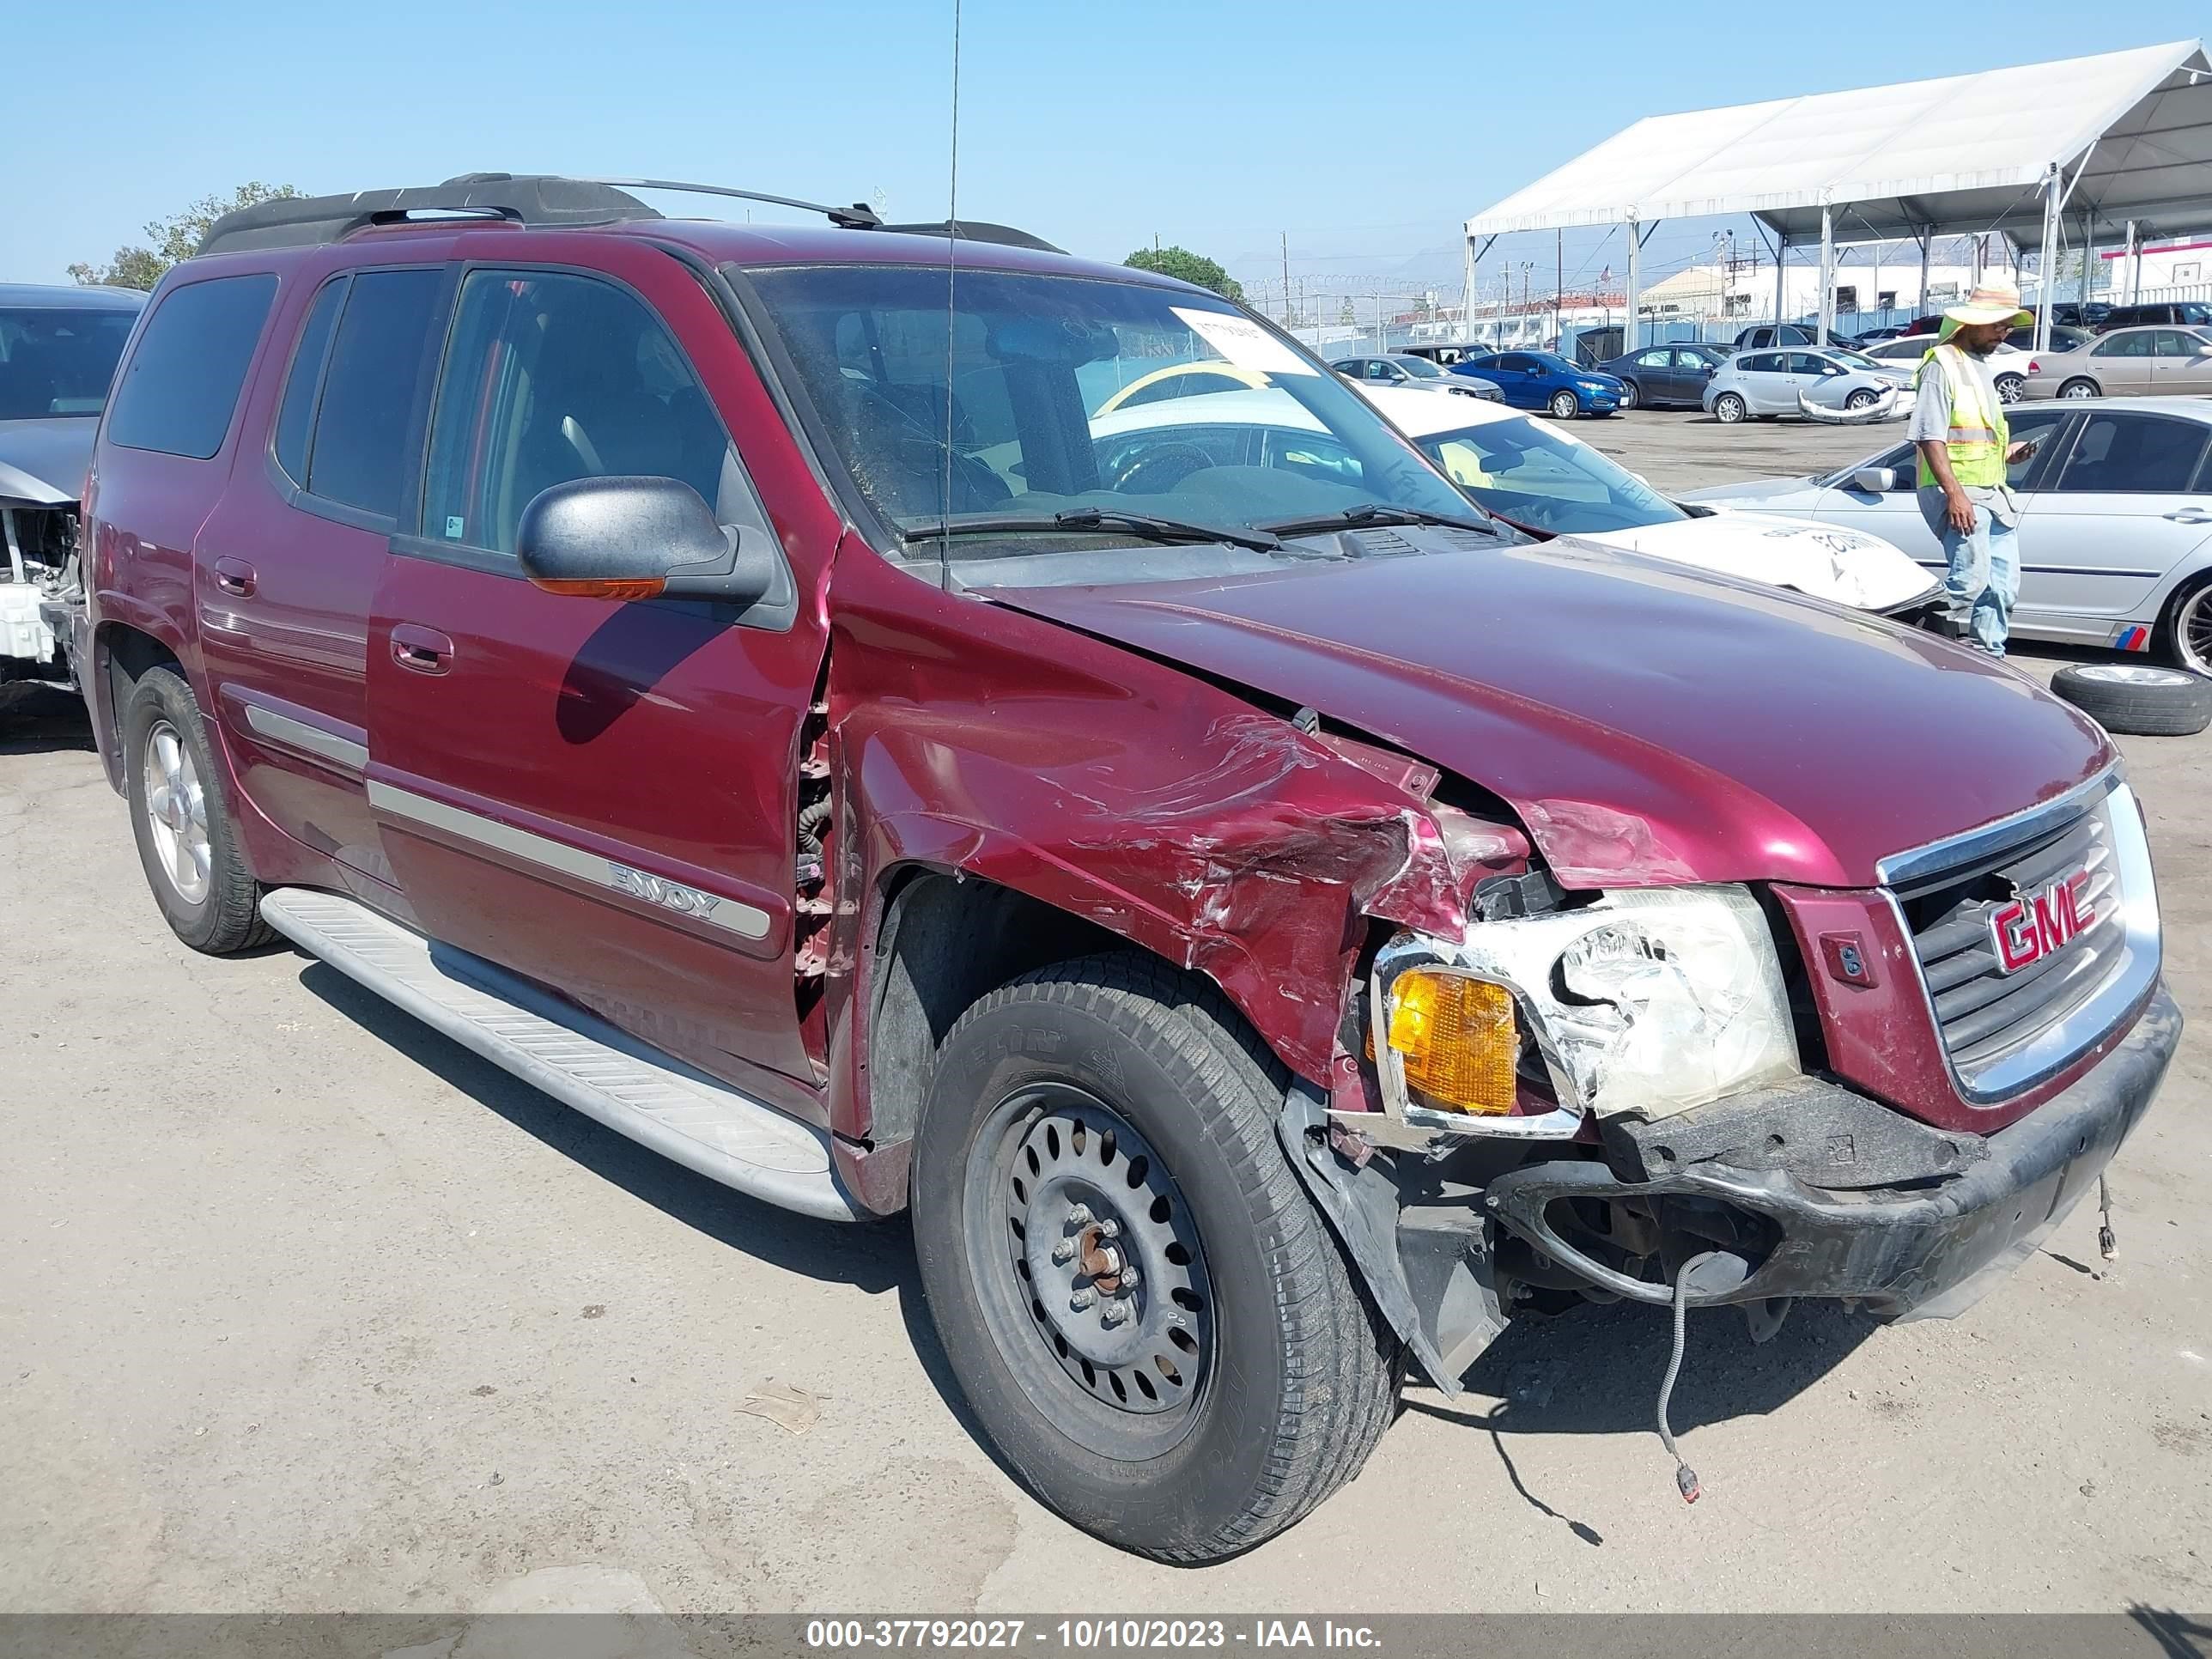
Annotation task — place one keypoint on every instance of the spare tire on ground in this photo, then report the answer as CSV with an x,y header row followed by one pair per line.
x,y
2136,699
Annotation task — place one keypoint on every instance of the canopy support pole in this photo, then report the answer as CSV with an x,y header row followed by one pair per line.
x,y
2047,287
1828,275
1781,280
2135,265
2088,253
1927,244
1629,342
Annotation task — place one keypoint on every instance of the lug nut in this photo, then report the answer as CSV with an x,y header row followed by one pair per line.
x,y
1080,1216
1116,1312
1109,1228
1064,1252
1082,1299
1129,1279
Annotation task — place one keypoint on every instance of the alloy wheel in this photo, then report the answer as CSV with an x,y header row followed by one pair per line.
x,y
1090,1269
2077,390
1565,406
2193,631
176,813
1728,409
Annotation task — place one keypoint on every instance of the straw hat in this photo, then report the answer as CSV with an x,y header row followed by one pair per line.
x,y
1992,303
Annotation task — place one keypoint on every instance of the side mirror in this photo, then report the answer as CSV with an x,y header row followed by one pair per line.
x,y
638,538
1875,480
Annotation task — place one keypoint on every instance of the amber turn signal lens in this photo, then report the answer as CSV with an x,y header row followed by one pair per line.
x,y
642,588
1456,1039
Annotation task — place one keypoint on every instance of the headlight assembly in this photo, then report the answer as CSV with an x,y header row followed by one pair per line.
x,y
1648,1001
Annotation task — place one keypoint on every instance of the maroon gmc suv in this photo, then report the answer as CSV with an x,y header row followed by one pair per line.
x,y
1267,922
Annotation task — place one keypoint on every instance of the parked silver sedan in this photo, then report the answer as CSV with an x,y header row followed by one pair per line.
x,y
1766,384
2115,530
2129,363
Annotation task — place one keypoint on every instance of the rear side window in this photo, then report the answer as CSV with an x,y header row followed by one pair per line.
x,y
180,388
297,412
551,377
357,454
2133,455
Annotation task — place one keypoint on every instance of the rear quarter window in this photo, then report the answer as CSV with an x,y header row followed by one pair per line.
x,y
180,389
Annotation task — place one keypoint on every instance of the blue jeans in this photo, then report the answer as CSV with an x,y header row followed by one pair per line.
x,y
1983,582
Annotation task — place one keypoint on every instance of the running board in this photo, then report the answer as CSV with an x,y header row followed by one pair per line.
x,y
633,1088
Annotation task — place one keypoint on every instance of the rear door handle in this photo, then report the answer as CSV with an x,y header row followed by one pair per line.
x,y
425,650
234,577
2189,515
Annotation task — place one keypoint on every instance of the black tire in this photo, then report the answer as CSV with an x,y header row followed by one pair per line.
x,y
1861,399
1564,406
2011,388
1728,409
2137,700
227,917
2081,387
1631,395
2185,632
1225,1465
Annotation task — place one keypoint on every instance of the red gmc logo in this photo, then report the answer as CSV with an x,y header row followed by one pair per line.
x,y
2036,924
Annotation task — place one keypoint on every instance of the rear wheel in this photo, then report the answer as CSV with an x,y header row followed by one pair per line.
x,y
2010,387
1142,1306
1630,394
2185,637
186,842
1564,405
2079,388
1728,409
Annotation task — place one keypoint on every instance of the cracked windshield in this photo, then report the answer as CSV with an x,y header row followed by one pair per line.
x,y
1080,409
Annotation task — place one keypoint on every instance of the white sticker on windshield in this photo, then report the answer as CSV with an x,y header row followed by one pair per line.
x,y
1243,342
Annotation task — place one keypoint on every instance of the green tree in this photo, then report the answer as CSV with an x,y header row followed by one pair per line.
x,y
1345,316
1181,262
173,239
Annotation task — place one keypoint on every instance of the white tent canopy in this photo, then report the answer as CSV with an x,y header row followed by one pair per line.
x,y
2103,141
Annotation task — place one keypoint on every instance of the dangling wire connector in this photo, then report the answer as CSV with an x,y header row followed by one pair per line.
x,y
2108,1243
1686,1478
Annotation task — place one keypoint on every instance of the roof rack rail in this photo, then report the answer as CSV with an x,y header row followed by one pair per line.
x,y
541,200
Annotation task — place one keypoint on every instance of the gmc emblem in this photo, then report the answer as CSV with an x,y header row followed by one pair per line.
x,y
2035,925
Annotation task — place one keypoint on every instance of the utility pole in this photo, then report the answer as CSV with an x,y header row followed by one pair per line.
x,y
1558,279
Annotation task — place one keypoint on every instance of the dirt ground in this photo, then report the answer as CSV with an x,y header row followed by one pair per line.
x,y
305,1308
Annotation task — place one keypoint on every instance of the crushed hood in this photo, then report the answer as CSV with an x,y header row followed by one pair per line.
x,y
43,462
1649,724
1845,566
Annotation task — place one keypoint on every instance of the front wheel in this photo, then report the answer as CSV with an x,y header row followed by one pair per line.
x,y
1142,1307
2077,390
1564,405
1728,409
1630,397
1861,400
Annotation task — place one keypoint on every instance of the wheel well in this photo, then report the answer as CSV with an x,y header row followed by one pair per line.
x,y
945,941
127,655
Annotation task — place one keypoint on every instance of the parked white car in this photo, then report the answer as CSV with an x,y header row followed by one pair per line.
x,y
1762,385
2115,530
2008,363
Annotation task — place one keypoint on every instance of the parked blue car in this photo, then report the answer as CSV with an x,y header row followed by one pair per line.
x,y
1546,380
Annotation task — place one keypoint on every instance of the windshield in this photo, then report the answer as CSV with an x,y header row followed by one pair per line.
x,y
1534,477
58,360
1044,415
1854,358
1419,367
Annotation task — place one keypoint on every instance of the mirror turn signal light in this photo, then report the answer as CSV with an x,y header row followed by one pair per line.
x,y
1456,1039
639,588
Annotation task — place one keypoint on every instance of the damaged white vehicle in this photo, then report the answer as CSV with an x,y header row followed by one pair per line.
x,y
1542,479
58,349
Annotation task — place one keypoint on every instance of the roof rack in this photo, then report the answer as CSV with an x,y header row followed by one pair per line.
x,y
541,200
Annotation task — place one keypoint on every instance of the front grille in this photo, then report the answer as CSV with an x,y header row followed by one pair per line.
x,y
1985,1016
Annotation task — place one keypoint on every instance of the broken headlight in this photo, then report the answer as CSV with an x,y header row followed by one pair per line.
x,y
1648,1001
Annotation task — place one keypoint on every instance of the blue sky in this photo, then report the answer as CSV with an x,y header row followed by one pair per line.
x,y
1366,133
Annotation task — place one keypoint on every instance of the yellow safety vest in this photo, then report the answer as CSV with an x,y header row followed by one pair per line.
x,y
1978,435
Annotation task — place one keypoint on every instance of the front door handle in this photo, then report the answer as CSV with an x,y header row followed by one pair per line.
x,y
234,577
425,650
2189,515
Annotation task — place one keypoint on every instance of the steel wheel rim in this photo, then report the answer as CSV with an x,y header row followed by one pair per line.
x,y
176,813
2121,673
1048,1193
2193,631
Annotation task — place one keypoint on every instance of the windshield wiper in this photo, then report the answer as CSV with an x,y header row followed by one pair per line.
x,y
1144,525
1374,514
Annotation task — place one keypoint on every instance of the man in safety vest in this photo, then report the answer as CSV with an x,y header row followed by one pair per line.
x,y
1960,429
